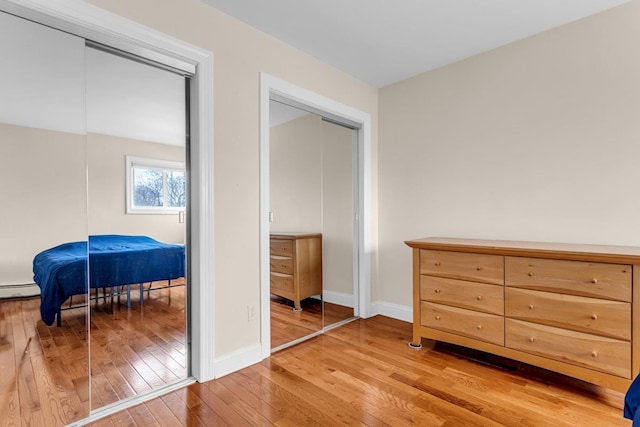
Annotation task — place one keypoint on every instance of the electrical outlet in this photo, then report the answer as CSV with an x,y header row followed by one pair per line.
x,y
252,312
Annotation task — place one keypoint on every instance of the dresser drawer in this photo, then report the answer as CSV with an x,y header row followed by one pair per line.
x,y
461,265
591,315
576,348
281,247
592,279
463,294
281,264
469,323
283,282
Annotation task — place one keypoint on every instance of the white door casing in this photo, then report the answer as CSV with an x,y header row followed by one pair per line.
x,y
272,87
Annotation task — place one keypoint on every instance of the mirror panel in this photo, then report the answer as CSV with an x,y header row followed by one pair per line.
x,y
136,152
338,207
43,235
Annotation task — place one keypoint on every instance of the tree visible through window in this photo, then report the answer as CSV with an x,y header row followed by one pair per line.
x,y
155,185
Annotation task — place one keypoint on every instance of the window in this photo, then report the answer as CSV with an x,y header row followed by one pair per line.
x,y
155,186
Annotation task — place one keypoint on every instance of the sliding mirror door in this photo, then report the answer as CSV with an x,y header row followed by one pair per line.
x,y
339,187
44,371
312,187
137,194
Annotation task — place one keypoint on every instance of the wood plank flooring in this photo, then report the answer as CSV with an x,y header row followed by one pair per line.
x,y
288,325
44,370
363,373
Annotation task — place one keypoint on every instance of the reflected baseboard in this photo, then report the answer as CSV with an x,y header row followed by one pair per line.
x,y
19,291
338,298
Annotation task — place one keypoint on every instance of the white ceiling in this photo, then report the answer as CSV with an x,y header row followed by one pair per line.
x,y
280,113
384,41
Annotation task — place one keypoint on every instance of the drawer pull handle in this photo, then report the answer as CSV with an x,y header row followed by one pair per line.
x,y
594,316
594,353
437,317
479,297
479,327
531,339
437,291
479,268
437,263
531,274
594,281
530,306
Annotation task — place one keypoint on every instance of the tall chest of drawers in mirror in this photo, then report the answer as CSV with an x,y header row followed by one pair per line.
x,y
567,308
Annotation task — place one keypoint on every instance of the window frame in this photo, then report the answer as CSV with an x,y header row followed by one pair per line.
x,y
144,162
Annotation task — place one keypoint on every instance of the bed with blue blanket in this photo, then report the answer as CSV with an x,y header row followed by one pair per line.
x,y
114,260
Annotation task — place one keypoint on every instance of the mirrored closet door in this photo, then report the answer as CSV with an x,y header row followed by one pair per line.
x,y
93,286
137,194
312,187
44,361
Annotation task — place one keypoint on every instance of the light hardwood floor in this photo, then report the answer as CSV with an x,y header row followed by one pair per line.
x,y
363,373
288,325
44,370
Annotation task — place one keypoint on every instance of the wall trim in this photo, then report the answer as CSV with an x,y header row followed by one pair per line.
x,y
93,23
395,311
19,291
338,298
237,360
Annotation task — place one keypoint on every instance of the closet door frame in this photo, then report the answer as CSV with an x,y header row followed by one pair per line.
x,y
98,25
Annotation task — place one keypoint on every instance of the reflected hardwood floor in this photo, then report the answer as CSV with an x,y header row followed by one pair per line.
x,y
137,350
363,373
44,369
288,325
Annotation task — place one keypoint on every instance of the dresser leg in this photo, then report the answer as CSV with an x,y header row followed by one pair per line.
x,y
415,346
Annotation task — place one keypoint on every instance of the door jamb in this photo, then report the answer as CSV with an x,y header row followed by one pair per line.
x,y
294,95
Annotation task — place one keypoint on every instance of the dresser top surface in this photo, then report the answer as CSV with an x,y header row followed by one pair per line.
x,y
294,235
624,254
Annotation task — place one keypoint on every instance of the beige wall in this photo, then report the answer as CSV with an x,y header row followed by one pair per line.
x,y
537,140
311,191
240,54
295,172
106,171
44,196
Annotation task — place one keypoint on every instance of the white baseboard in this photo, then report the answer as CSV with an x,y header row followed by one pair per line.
x,y
237,360
338,298
395,311
16,291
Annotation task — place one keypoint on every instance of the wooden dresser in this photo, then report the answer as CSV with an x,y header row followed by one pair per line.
x,y
567,308
296,266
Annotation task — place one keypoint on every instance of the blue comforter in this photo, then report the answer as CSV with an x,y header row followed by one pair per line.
x,y
114,260
632,402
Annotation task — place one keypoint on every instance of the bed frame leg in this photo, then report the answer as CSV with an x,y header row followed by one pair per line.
x,y
59,319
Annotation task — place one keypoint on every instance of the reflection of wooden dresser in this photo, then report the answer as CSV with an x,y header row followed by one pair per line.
x,y
296,265
567,308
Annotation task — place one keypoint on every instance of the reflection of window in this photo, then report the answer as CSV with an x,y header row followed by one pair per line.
x,y
155,186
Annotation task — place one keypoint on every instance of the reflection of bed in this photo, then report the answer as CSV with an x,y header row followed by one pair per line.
x,y
114,260
632,402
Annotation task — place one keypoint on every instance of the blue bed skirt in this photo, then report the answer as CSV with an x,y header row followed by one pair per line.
x,y
114,260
